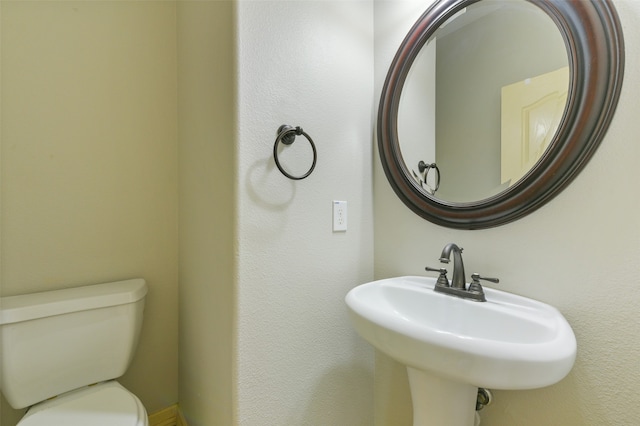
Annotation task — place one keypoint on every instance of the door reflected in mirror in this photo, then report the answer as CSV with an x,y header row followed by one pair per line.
x,y
484,97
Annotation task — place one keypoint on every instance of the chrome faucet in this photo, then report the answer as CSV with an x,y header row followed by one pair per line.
x,y
458,285
459,278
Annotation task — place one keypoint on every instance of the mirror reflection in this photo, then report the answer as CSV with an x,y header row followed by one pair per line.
x,y
483,99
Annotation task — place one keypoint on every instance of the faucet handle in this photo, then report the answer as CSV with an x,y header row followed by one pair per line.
x,y
475,286
442,279
476,277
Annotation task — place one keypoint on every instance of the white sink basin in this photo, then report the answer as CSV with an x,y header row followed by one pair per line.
x,y
507,342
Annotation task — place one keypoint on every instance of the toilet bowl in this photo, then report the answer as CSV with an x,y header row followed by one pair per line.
x,y
104,404
61,351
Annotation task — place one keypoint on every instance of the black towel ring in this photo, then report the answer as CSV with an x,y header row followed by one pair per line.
x,y
287,135
424,168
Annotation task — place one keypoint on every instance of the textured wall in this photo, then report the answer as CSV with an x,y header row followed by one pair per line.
x,y
89,162
304,63
206,117
579,253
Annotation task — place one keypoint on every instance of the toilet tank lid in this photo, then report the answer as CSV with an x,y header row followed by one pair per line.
x,y
27,307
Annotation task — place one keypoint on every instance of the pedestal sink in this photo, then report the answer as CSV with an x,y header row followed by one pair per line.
x,y
452,346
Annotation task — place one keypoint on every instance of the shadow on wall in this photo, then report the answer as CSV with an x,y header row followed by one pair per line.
x,y
338,395
267,188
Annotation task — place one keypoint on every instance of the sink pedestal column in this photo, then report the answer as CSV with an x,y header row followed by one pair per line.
x,y
438,401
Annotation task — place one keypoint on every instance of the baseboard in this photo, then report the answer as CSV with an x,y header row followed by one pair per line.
x,y
181,420
170,416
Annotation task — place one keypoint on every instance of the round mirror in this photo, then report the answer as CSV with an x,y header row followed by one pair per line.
x,y
491,107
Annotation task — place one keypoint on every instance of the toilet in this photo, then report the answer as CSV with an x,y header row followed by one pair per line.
x,y
61,351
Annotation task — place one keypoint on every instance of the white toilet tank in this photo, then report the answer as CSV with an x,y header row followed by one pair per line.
x,y
56,341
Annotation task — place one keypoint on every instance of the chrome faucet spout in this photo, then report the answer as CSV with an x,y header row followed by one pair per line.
x,y
459,278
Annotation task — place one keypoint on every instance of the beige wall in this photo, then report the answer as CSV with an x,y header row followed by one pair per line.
x,y
89,162
289,355
207,210
579,253
94,92
308,64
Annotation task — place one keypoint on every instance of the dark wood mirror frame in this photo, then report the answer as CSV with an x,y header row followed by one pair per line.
x,y
595,49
